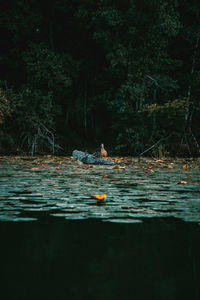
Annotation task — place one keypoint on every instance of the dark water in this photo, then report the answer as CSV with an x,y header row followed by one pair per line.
x,y
64,188
89,259
57,242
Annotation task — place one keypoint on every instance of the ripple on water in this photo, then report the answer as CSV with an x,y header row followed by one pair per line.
x,y
132,194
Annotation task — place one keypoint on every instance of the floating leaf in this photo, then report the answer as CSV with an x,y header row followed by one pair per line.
x,y
99,197
182,182
89,166
118,167
105,175
185,167
170,167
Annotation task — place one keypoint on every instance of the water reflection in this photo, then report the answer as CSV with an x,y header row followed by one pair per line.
x,y
89,259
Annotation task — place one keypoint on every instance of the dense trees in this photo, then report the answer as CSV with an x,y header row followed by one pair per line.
x,y
76,73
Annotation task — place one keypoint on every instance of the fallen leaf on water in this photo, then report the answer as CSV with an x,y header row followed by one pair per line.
x,y
170,166
118,167
89,167
105,175
99,197
36,168
56,168
159,160
55,185
185,167
182,182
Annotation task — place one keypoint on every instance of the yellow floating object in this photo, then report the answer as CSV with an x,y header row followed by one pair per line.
x,y
100,197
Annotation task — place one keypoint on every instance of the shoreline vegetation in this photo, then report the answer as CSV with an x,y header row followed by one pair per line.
x,y
75,74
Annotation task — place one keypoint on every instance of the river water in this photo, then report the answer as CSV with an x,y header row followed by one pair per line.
x,y
58,242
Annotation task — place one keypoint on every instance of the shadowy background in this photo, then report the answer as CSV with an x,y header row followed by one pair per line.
x,y
77,73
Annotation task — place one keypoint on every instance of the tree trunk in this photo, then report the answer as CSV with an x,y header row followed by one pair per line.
x,y
85,109
187,111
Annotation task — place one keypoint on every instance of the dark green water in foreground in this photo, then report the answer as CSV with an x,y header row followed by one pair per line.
x,y
59,259
57,243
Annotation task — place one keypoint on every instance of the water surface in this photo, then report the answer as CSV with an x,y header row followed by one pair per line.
x,y
60,259
61,187
58,242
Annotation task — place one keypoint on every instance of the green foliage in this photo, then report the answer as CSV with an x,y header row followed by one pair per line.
x,y
46,69
126,72
29,106
5,109
21,19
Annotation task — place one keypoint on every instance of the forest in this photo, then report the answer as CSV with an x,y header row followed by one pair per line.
x,y
74,74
